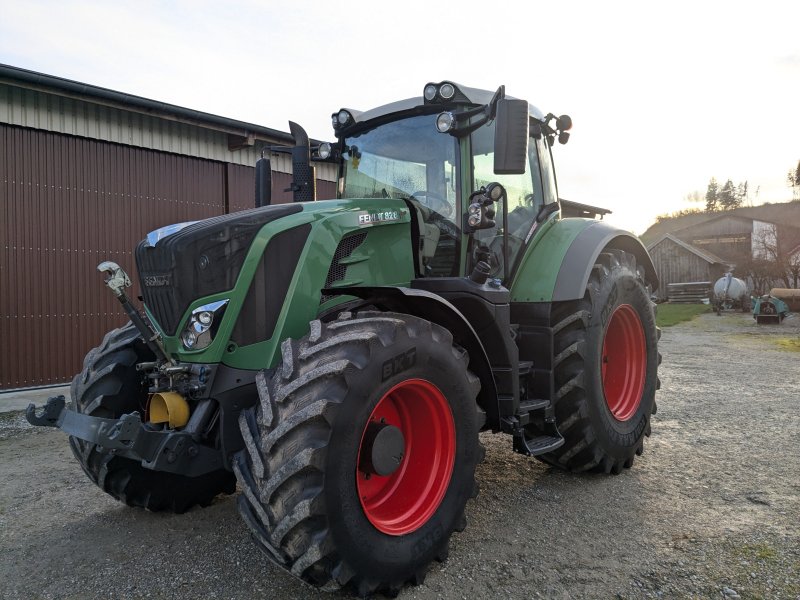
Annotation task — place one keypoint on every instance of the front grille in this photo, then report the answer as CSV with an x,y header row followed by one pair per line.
x,y
337,272
202,259
267,293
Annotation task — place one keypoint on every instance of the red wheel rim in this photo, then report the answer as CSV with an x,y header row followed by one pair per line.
x,y
624,362
403,501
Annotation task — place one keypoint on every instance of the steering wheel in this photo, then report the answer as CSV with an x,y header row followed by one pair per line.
x,y
434,201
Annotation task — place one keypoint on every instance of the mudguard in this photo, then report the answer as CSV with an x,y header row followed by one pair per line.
x,y
557,265
576,267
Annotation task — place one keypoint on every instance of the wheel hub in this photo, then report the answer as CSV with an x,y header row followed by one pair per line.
x,y
406,457
382,450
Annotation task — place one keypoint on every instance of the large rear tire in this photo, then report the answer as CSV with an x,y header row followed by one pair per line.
x,y
605,366
313,498
109,386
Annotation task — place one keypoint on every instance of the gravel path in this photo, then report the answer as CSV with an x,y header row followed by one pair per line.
x,y
712,509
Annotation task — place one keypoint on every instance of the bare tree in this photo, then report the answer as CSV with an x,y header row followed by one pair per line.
x,y
793,181
775,256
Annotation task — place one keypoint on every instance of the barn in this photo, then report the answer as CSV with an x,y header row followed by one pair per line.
x,y
677,261
701,247
85,173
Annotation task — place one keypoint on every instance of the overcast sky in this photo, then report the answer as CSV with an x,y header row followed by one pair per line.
x,y
663,96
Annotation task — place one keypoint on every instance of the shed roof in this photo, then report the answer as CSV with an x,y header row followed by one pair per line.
x,y
786,213
100,95
707,256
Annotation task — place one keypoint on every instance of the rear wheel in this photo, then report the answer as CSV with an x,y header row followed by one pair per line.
x,y
110,386
361,455
605,365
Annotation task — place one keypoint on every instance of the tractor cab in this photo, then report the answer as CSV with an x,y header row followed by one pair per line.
x,y
440,153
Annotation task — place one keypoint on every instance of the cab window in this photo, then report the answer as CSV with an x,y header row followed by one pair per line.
x,y
525,196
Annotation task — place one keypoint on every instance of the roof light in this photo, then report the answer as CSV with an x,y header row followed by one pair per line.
x,y
445,122
430,92
344,117
447,91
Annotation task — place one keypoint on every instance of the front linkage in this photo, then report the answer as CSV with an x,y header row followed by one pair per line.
x,y
157,449
128,437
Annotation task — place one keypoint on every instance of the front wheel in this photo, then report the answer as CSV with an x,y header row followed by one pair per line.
x,y
605,367
361,455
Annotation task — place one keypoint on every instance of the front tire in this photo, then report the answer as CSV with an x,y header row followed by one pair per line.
x,y
310,501
605,366
110,386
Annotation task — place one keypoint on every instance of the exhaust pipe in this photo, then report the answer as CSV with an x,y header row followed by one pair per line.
x,y
263,182
304,181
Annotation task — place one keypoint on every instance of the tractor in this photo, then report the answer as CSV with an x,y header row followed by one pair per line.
x,y
339,358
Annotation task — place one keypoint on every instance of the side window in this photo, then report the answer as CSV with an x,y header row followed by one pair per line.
x,y
525,196
548,172
525,192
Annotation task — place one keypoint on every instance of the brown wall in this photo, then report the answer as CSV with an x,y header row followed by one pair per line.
x,y
67,204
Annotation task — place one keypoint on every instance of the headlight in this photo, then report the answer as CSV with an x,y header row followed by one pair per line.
x,y
430,92
344,117
324,150
202,325
189,339
447,91
445,122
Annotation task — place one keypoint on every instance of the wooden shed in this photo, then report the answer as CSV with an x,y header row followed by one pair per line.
x,y
679,262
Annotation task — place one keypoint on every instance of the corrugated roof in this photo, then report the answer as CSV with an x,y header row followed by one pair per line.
x,y
84,91
785,213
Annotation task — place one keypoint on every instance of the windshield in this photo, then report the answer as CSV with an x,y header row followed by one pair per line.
x,y
400,159
410,159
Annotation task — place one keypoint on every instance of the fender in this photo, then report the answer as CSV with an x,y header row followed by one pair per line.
x,y
576,267
434,308
557,265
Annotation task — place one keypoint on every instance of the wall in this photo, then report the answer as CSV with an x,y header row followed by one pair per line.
x,y
675,264
66,204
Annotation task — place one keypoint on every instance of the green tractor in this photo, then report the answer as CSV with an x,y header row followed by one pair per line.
x,y
339,358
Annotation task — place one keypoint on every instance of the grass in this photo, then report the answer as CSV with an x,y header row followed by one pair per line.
x,y
672,314
790,344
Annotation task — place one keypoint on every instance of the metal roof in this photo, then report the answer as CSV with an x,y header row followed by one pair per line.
x,y
704,254
75,89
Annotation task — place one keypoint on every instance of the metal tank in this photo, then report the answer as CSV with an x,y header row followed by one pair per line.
x,y
730,293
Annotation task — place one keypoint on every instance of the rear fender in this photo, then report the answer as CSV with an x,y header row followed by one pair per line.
x,y
557,265
580,258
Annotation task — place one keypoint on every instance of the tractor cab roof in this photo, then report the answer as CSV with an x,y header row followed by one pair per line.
x,y
456,94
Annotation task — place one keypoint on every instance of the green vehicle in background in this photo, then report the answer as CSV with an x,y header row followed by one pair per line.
x,y
338,358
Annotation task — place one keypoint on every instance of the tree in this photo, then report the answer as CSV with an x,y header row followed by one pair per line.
x,y
742,195
695,197
711,195
793,181
727,196
772,257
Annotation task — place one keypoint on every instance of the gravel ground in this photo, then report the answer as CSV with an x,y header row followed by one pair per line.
x,y
710,510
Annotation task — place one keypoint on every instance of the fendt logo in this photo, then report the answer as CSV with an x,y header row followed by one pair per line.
x,y
365,218
157,280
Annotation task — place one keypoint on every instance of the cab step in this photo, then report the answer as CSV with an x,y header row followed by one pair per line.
x,y
539,444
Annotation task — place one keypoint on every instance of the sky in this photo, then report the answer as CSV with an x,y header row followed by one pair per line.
x,y
663,96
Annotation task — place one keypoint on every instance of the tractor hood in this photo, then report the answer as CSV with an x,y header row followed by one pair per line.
x,y
198,259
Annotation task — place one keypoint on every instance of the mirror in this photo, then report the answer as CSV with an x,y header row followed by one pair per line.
x,y
511,137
